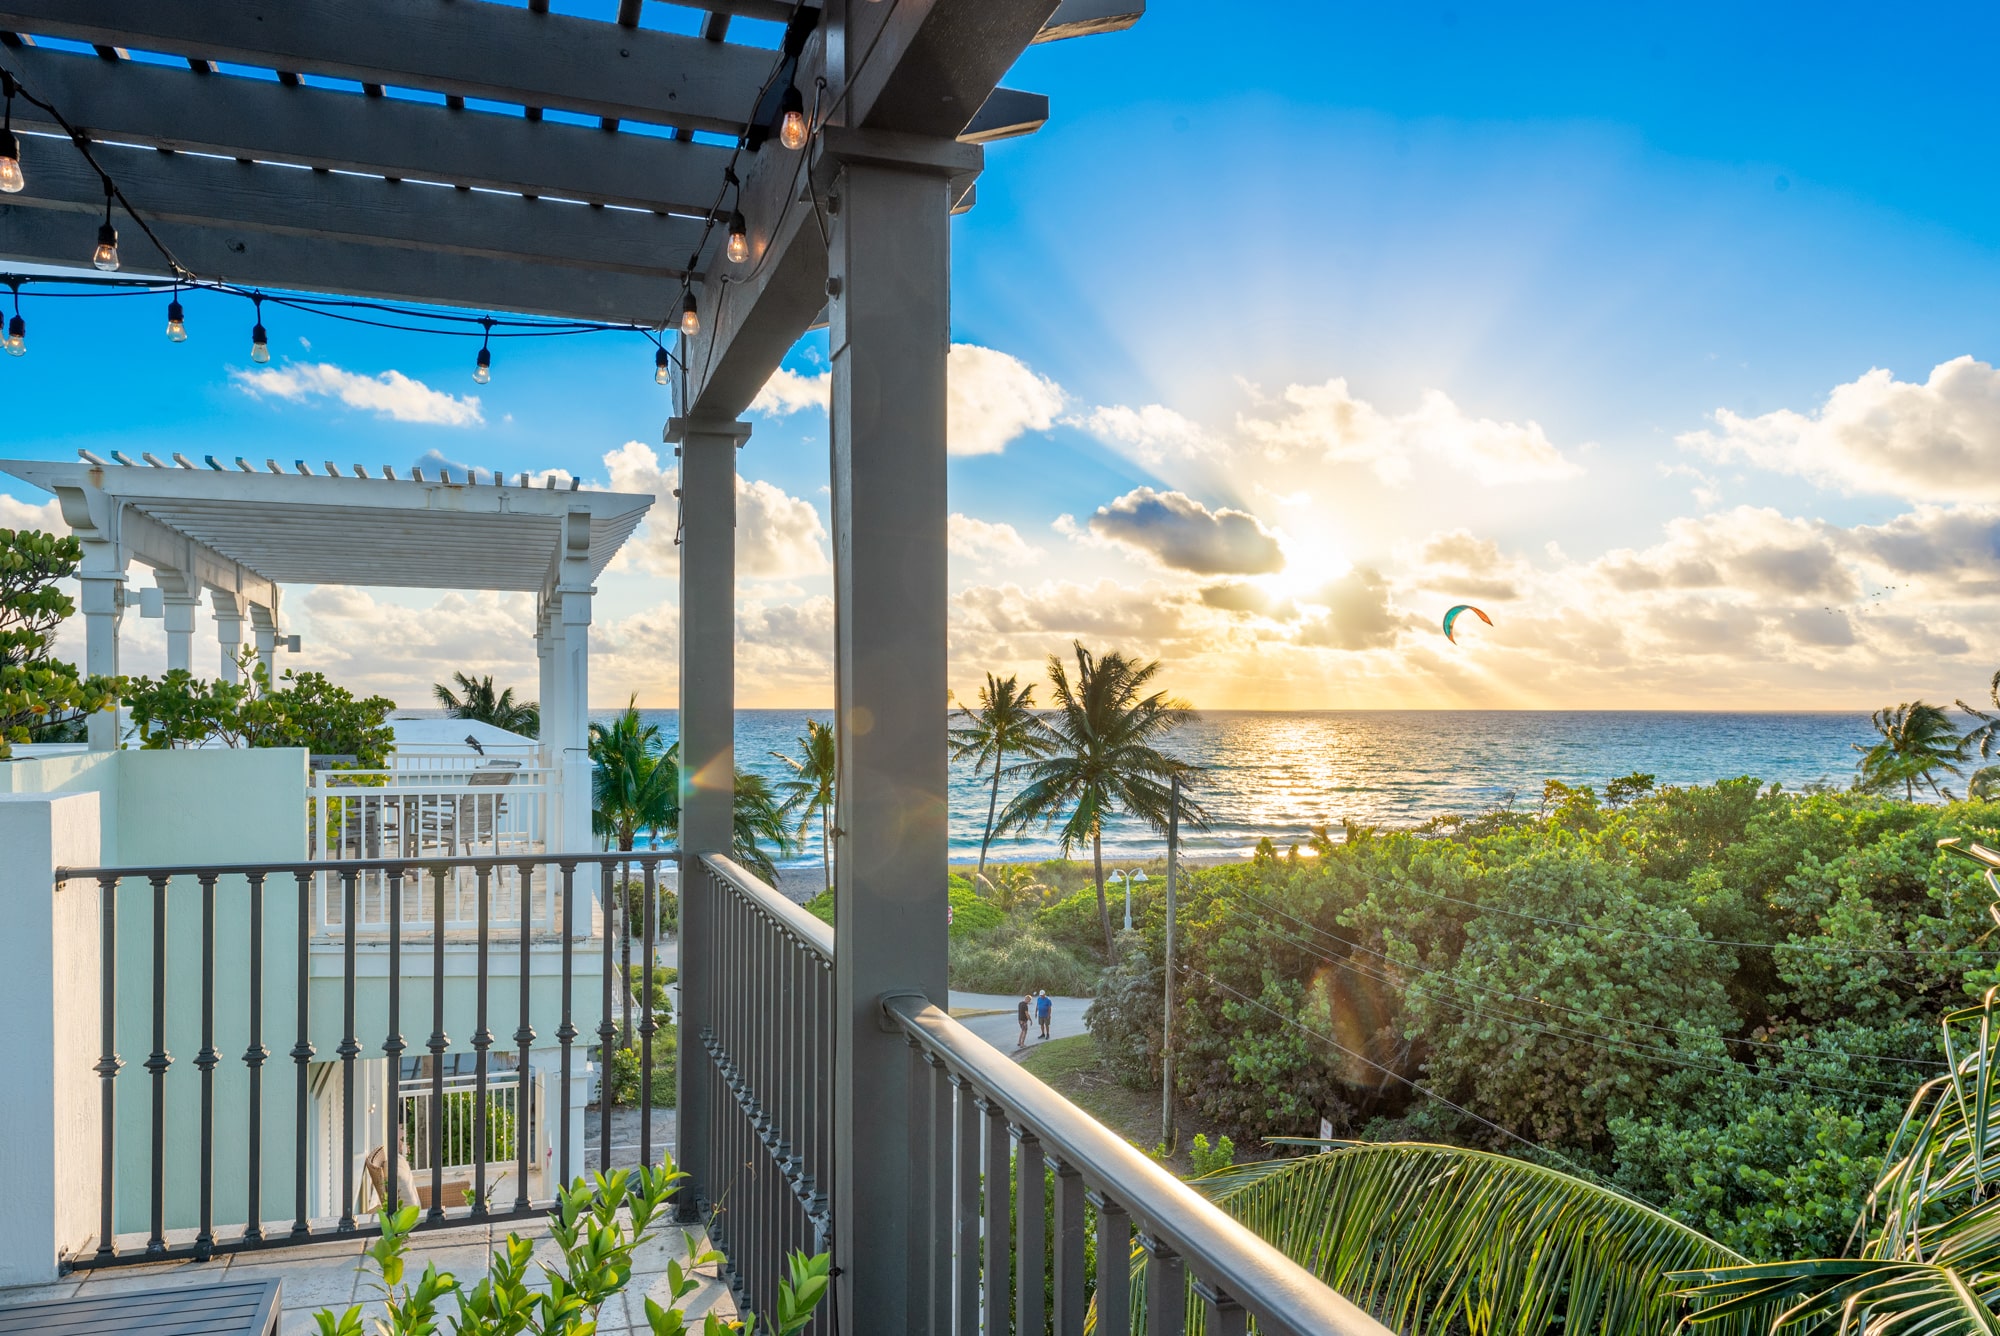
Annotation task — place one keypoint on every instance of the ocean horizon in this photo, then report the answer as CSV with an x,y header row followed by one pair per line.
x,y
1277,773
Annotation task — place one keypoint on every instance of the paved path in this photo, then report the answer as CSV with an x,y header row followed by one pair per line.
x,y
1001,1031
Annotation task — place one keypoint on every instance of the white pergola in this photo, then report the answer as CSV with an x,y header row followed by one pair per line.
x,y
499,157
240,534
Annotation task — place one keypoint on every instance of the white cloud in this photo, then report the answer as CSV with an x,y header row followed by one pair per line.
x,y
992,398
1153,434
1357,613
1935,441
1181,533
788,392
15,514
984,540
390,394
1328,422
778,536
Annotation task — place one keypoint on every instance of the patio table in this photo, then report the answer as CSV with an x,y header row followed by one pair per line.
x,y
244,1308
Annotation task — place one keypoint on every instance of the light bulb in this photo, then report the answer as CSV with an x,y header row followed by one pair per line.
x,y
11,179
260,344
690,318
17,336
105,257
482,371
792,130
176,325
738,249
660,367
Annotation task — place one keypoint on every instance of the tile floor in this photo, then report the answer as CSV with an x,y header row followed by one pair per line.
x,y
329,1275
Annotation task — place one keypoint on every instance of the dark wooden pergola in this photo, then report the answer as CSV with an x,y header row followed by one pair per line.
x,y
502,158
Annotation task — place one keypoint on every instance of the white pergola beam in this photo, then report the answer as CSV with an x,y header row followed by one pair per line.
x,y
470,48
333,206
141,538
241,117
308,264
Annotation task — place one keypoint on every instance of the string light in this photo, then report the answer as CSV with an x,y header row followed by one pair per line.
x,y
260,342
660,367
176,319
690,317
738,249
482,368
11,179
792,126
105,257
16,341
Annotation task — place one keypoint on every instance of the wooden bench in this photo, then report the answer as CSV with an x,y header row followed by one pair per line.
x,y
245,1308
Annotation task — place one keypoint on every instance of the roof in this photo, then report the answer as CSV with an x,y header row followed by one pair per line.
x,y
294,528
433,733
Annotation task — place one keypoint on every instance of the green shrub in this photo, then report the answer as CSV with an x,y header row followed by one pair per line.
x,y
972,914
1206,1159
1125,1019
1015,958
625,1071
664,977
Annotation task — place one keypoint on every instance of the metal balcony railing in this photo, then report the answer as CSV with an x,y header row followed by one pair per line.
x,y
993,1144
269,914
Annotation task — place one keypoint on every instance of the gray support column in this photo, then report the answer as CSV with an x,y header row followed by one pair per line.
x,y
102,575
228,630
707,453
890,263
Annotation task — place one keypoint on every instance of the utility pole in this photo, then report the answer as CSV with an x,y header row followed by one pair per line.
x,y
1167,1040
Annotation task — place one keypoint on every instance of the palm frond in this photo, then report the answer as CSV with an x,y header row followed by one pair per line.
x,y
1439,1239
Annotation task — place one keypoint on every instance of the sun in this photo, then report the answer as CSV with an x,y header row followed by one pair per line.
x,y
1313,560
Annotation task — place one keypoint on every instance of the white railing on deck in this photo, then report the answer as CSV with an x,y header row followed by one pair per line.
x,y
454,1132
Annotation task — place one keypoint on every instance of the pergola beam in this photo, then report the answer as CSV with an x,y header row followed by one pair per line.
x,y
1087,18
309,264
237,117
470,48
326,206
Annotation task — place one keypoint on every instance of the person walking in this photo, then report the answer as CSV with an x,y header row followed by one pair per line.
x,y
1045,1011
1021,1014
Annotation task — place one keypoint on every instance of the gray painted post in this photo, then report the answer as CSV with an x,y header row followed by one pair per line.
x,y
891,279
708,749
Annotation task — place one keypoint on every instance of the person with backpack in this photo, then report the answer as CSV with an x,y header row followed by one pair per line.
x,y
1021,1014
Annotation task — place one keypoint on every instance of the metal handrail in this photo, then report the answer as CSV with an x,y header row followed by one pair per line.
x,y
1282,1295
814,932
428,862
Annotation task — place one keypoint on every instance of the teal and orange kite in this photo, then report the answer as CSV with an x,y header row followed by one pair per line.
x,y
1452,617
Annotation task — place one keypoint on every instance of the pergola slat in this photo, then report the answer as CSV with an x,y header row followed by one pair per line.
x,y
472,48
316,264
317,127
192,188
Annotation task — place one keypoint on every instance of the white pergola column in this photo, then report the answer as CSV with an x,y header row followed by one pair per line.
x,y
891,283
228,630
707,453
103,578
179,597
566,717
264,626
545,682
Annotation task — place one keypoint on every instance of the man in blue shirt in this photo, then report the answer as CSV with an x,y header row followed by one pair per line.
x,y
1045,1011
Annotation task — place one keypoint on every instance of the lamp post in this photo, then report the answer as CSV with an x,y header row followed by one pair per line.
x,y
1167,998
1129,877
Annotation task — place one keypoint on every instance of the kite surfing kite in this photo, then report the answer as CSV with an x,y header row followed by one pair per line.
x,y
1450,618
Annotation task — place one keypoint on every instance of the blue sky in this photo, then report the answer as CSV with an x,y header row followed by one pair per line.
x,y
1290,331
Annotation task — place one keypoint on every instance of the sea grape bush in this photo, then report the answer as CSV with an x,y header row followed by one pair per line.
x,y
1717,997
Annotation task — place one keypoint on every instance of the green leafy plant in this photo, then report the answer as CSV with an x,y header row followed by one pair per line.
x,y
1917,741
301,710
597,1225
477,700
1205,1159
810,790
41,697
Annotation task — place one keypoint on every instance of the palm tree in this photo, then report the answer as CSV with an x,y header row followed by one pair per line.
x,y
1101,759
811,788
635,783
1004,722
476,699
758,817
1986,734
1917,739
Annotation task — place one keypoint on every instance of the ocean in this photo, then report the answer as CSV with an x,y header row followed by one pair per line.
x,y
1277,774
